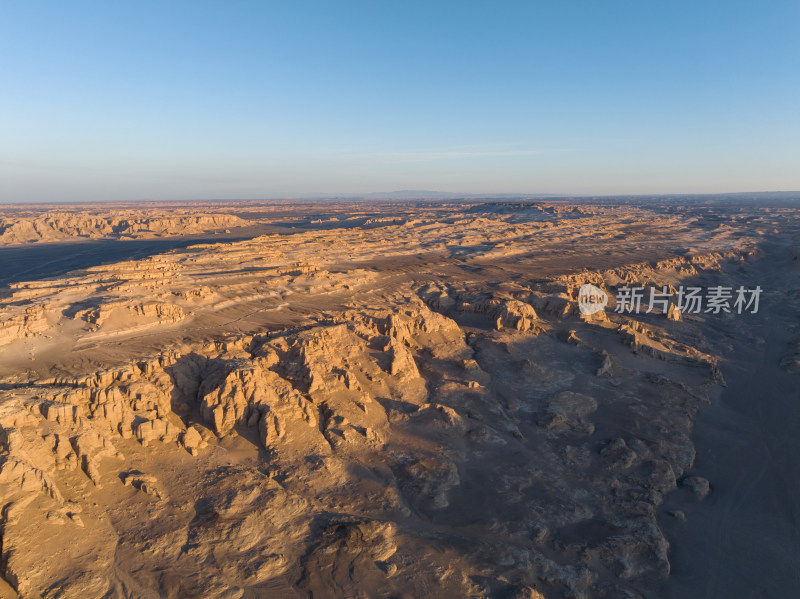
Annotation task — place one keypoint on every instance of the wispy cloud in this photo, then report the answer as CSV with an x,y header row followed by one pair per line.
x,y
428,155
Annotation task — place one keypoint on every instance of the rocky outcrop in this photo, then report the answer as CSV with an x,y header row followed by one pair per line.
x,y
164,313
502,310
30,322
57,226
414,408
568,411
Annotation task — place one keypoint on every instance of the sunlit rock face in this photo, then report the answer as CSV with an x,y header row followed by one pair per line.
x,y
397,400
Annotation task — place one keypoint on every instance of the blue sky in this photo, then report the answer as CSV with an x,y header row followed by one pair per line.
x,y
238,99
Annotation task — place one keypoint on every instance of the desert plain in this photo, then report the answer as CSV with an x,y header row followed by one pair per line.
x,y
399,398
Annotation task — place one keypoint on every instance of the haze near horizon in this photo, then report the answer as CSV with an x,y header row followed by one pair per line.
x,y
197,100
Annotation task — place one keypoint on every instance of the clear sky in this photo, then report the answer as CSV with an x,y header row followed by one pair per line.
x,y
249,99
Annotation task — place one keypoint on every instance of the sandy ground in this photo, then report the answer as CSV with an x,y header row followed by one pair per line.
x,y
747,534
398,400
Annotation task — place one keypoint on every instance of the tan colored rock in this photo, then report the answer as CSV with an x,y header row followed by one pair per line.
x,y
31,321
673,312
371,398
147,431
192,440
55,226
145,483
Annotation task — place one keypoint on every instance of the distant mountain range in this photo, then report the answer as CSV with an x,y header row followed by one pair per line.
x,y
429,194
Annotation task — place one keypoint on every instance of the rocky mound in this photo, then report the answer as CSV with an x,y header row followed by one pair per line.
x,y
59,226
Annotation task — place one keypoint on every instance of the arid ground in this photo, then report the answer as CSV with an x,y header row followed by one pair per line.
x,y
399,399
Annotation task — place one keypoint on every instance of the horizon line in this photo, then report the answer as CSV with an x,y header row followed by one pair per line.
x,y
403,195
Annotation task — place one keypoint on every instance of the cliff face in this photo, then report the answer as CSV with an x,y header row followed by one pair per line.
x,y
60,226
387,414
